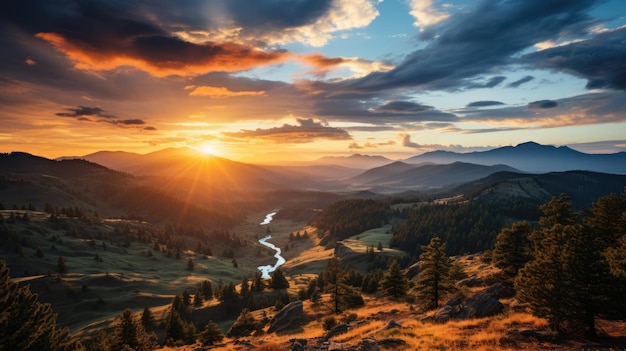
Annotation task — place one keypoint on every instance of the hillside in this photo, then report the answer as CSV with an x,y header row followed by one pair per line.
x,y
534,158
399,175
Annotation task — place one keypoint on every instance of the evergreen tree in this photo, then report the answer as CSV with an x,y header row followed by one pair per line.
x,y
147,319
433,279
178,329
257,283
61,265
394,283
569,281
228,293
129,334
197,299
244,325
211,334
513,248
26,324
207,290
278,281
245,287
190,264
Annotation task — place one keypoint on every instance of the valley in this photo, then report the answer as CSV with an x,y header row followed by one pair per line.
x,y
225,238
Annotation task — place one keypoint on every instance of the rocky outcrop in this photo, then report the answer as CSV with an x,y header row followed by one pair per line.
x,y
288,318
501,290
336,330
480,305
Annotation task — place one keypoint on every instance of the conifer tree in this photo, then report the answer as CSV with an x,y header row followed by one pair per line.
x,y
147,319
257,283
211,334
61,265
129,334
433,279
394,283
278,281
178,329
244,325
27,324
207,290
513,248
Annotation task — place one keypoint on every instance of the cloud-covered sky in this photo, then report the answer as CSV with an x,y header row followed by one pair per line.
x,y
311,77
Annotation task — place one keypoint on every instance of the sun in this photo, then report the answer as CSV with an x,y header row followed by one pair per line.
x,y
207,149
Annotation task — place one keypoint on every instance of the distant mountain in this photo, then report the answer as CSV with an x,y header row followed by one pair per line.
x,y
583,187
25,163
404,175
534,158
183,165
355,161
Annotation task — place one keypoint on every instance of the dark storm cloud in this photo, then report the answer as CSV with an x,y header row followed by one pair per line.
x,y
276,14
484,103
541,104
519,82
601,60
479,41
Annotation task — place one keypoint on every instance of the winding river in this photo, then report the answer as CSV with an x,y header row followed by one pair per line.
x,y
267,269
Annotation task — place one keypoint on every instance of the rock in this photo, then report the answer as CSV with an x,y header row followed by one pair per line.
x,y
481,305
391,343
501,290
447,313
392,324
336,330
289,317
298,344
335,346
368,345
471,282
457,300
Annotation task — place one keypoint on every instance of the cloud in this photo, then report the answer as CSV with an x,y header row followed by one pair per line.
x,y
491,83
96,114
599,59
402,107
478,41
323,65
307,131
370,145
84,111
220,92
484,103
159,55
541,104
519,82
425,13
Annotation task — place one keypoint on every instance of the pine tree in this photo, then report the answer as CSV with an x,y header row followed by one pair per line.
x,y
394,283
207,290
61,265
433,279
513,248
211,334
245,287
129,334
257,283
244,325
178,329
190,264
26,324
147,319
278,281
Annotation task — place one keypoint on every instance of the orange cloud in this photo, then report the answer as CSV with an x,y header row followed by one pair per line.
x,y
220,92
161,56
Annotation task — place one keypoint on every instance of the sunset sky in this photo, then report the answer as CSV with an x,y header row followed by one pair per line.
x,y
293,80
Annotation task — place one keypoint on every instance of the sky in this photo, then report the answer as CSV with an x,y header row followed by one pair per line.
x,y
259,81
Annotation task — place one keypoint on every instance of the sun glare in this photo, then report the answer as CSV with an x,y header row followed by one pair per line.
x,y
207,149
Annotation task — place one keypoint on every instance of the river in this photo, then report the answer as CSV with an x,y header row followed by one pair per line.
x,y
267,269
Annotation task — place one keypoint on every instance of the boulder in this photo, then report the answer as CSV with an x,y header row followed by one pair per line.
x,y
289,317
392,324
501,290
447,312
471,282
391,343
336,330
481,305
368,345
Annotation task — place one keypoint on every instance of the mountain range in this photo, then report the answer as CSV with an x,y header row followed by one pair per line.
x,y
533,158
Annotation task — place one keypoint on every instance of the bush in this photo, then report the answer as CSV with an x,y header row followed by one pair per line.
x,y
329,323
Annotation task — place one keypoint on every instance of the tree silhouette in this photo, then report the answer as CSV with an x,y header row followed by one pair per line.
x,y
513,248
211,334
26,324
278,281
